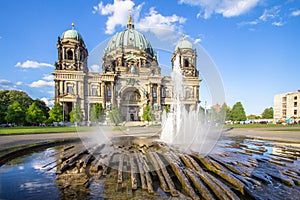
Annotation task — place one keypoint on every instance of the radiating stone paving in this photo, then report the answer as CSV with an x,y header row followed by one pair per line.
x,y
237,169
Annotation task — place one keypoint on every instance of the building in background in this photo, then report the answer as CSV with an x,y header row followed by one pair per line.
x,y
130,79
287,107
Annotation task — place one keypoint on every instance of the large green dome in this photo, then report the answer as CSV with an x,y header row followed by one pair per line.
x,y
129,39
71,34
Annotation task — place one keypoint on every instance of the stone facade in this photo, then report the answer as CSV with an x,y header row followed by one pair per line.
x,y
130,79
287,106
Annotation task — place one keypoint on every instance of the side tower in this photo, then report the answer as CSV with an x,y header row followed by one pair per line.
x,y
188,65
70,71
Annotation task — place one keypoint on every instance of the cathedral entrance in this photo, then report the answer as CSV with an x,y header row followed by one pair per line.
x,y
130,104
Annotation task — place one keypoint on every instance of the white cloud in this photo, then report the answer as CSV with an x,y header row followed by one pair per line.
x,y
95,68
268,16
296,13
198,40
19,83
48,102
254,22
160,25
51,92
270,13
41,84
154,22
7,85
32,64
278,23
231,8
48,77
227,8
5,82
118,13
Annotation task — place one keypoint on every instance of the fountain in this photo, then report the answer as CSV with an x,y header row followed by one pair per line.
x,y
187,130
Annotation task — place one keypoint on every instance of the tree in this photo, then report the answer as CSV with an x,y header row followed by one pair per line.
x,y
76,114
252,116
56,113
115,115
167,108
227,112
15,113
97,113
35,114
238,113
201,110
213,113
268,113
147,114
42,105
8,97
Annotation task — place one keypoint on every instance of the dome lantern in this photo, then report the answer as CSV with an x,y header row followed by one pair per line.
x,y
130,24
72,34
184,44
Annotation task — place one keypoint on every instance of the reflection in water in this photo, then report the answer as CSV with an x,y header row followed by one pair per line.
x,y
24,178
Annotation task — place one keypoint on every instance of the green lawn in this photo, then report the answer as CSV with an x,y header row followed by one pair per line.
x,y
36,129
52,129
261,126
56,129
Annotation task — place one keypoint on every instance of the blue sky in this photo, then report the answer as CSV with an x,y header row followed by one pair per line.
x,y
254,44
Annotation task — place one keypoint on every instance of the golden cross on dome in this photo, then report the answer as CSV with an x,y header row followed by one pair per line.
x,y
130,24
73,25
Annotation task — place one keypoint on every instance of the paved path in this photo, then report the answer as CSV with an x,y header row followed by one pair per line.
x,y
15,140
267,134
276,134
7,141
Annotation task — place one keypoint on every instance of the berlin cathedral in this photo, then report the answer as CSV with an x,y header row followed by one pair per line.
x,y
130,79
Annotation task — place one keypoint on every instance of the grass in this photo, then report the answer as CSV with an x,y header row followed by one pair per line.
x,y
262,126
65,129
287,129
51,129
36,129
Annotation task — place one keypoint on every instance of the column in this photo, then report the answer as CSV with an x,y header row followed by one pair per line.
x,y
56,89
158,94
63,53
75,89
103,94
61,88
99,90
112,86
150,94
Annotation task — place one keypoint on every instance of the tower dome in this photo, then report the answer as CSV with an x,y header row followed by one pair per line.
x,y
184,44
72,34
129,39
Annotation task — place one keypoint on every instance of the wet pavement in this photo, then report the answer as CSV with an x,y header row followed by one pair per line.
x,y
266,167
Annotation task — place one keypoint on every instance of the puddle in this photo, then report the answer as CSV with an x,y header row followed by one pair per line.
x,y
24,177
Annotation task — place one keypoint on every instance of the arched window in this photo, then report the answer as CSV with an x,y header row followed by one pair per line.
x,y
70,55
108,91
163,92
186,63
94,91
70,89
